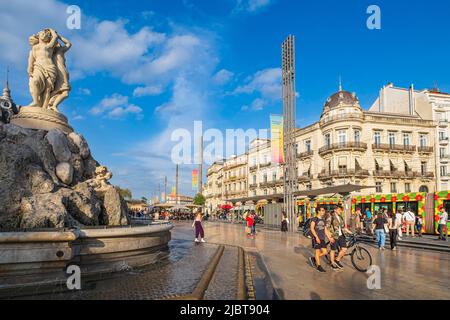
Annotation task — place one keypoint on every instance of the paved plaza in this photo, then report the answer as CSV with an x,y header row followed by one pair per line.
x,y
405,274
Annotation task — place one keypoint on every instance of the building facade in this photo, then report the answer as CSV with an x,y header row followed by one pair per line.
x,y
394,147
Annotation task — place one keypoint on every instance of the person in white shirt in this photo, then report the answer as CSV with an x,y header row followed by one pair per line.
x,y
443,219
399,218
410,219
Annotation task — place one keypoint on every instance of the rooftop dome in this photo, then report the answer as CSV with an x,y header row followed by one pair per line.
x,y
344,97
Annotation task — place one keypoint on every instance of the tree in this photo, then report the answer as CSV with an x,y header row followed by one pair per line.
x,y
144,199
125,193
199,199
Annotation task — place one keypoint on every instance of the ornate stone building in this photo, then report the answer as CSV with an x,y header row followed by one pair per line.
x,y
394,152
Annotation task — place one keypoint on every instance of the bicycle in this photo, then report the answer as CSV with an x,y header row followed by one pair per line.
x,y
360,256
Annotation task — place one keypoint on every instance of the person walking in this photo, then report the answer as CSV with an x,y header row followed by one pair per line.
x,y
399,218
198,228
336,226
284,223
319,233
443,219
393,224
379,226
419,224
369,221
253,228
410,219
250,223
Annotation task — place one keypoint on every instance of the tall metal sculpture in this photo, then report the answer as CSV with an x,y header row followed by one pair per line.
x,y
289,114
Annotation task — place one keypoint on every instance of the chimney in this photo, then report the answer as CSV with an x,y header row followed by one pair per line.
x,y
412,100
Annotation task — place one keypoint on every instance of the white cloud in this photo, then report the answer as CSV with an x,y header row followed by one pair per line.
x,y
116,107
265,84
84,91
258,104
147,91
181,59
223,77
251,5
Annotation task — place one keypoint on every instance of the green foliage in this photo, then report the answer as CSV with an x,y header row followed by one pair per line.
x,y
199,199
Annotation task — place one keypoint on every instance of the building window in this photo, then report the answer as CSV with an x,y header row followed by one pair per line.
x,y
254,179
254,162
393,187
407,187
406,139
357,136
266,159
274,176
391,138
442,136
442,152
423,140
378,187
308,187
254,192
443,171
265,178
342,137
423,167
327,139
265,192
308,146
377,138
423,189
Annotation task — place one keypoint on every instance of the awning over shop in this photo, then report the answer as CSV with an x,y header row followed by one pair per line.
x,y
343,190
255,199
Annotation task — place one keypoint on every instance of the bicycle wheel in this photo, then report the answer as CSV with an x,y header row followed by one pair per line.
x,y
361,259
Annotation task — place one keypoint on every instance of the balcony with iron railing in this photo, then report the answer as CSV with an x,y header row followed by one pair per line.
x,y
305,154
423,149
360,173
304,178
343,146
264,165
253,186
393,147
443,122
444,157
339,117
253,168
396,174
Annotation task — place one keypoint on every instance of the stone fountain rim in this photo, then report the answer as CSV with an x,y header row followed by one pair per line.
x,y
88,233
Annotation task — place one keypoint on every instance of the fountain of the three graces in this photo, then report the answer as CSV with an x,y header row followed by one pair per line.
x,y
57,207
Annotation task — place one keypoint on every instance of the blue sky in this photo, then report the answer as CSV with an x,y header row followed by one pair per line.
x,y
140,69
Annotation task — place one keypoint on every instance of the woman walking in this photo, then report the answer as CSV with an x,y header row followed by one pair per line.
x,y
379,225
198,228
393,224
284,223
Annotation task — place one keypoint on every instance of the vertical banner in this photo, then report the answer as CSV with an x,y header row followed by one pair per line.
x,y
276,138
195,180
157,199
163,197
172,193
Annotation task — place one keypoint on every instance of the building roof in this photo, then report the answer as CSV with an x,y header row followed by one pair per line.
x,y
343,97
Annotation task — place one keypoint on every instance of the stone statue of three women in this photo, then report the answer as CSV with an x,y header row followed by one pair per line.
x,y
49,79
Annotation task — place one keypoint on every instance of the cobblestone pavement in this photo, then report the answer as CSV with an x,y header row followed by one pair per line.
x,y
405,274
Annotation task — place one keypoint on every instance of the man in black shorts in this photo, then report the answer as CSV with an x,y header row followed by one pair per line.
x,y
337,228
319,233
